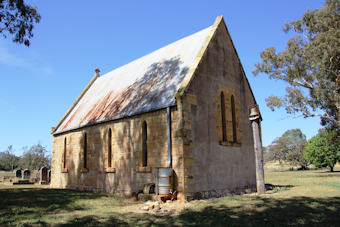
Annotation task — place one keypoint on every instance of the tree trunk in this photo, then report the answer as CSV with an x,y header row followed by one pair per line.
x,y
332,168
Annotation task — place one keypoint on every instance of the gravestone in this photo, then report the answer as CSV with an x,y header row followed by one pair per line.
x,y
43,175
27,174
18,173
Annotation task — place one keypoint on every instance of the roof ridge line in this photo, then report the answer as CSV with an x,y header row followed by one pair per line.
x,y
162,47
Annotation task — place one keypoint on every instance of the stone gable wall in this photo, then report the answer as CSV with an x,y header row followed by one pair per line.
x,y
213,167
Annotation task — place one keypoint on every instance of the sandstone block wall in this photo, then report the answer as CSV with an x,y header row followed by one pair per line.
x,y
126,176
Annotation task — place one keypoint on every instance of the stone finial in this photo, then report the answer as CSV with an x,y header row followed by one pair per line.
x,y
97,71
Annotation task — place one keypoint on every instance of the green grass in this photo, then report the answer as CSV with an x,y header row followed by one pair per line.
x,y
310,198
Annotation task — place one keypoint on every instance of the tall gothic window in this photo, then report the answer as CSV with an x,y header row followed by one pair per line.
x,y
224,128
233,119
65,155
85,151
145,144
109,149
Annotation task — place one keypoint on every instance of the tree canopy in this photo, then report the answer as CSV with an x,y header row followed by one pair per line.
x,y
289,147
18,19
323,150
8,160
310,65
35,158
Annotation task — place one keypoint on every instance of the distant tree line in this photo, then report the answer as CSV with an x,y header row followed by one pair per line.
x,y
34,157
323,150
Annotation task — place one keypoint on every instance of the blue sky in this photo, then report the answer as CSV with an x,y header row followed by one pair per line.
x,y
39,83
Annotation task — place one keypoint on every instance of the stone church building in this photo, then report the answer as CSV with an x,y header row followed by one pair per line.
x,y
184,106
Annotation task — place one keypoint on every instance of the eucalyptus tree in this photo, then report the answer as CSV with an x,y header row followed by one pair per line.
x,y
310,65
18,19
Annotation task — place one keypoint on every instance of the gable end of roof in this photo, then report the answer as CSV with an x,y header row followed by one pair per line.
x,y
191,73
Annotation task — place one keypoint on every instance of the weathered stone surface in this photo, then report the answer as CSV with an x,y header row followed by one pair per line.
x,y
126,175
213,165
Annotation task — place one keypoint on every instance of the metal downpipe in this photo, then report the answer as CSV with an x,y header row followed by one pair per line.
x,y
168,120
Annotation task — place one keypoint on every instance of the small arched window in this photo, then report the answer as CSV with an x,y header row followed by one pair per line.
x,y
224,128
145,145
233,116
109,149
85,151
65,155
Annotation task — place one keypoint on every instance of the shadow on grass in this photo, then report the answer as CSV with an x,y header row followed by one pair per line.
x,y
30,206
326,175
36,202
330,172
92,220
278,187
265,212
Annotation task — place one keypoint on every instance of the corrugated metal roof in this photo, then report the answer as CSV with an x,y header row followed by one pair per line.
x,y
146,84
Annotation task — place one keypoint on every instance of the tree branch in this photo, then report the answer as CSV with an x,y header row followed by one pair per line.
x,y
303,85
326,116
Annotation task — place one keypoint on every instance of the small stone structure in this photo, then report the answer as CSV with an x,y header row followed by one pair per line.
x,y
26,174
18,173
43,175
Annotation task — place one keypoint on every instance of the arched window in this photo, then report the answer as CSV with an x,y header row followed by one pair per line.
x,y
233,119
109,149
65,155
224,128
145,145
85,151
